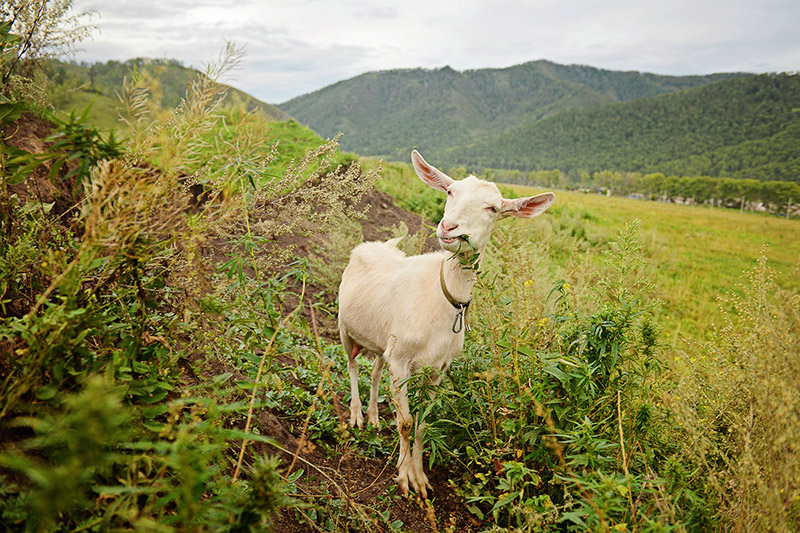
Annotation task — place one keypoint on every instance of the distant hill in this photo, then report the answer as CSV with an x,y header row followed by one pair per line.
x,y
741,128
387,113
75,86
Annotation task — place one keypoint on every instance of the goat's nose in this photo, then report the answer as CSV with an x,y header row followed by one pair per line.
x,y
446,226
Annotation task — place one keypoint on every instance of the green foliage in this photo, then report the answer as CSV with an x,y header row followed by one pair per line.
x,y
104,317
388,113
94,454
97,87
740,128
538,403
30,246
84,145
81,441
73,144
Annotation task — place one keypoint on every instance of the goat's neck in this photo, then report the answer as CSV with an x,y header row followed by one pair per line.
x,y
460,277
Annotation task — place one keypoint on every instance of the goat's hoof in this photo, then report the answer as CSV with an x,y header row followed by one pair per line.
x,y
402,484
356,419
372,419
419,483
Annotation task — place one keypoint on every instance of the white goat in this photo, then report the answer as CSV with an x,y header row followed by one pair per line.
x,y
411,311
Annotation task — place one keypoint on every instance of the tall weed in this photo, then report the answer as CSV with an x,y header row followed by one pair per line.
x,y
737,408
135,296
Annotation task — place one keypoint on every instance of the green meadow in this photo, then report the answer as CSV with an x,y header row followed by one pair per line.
x,y
696,253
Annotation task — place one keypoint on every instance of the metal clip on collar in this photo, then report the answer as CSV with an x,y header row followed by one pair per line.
x,y
458,324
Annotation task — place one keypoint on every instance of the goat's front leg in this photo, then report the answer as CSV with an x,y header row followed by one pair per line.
x,y
420,481
399,374
416,455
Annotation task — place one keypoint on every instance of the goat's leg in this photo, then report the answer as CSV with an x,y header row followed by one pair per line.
x,y
419,430
419,480
356,417
399,374
372,409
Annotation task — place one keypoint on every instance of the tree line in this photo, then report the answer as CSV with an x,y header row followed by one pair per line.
x,y
778,197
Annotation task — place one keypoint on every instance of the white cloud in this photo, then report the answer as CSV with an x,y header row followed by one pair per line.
x,y
294,47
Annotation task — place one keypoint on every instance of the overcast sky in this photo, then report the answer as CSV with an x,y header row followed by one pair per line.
x,y
296,47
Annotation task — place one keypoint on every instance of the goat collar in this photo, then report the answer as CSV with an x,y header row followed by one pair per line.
x,y
462,307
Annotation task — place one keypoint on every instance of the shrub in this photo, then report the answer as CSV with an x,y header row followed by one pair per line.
x,y
548,413
115,309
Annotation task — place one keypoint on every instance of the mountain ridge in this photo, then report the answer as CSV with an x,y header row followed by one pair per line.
x,y
741,128
386,113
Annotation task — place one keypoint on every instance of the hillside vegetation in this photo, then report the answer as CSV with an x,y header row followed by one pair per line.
x,y
98,86
543,116
739,128
389,112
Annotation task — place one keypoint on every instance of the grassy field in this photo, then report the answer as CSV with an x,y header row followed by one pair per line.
x,y
726,328
697,253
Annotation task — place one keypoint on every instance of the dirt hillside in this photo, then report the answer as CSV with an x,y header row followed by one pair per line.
x,y
367,480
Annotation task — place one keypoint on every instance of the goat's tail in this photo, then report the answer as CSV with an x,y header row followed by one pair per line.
x,y
394,242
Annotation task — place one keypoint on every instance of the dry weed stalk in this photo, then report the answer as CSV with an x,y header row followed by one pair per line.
x,y
738,400
125,205
177,142
311,198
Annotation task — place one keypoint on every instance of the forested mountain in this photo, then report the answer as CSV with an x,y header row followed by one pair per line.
x,y
387,113
76,86
741,128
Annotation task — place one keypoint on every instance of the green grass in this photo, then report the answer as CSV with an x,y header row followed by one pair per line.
x,y
697,253
103,110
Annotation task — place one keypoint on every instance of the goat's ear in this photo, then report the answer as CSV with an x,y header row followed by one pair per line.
x,y
528,207
431,175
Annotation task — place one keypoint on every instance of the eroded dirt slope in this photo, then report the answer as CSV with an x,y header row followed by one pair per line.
x,y
366,480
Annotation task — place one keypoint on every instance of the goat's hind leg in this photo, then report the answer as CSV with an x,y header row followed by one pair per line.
x,y
372,409
352,349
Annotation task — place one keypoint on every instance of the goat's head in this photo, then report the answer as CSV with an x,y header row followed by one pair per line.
x,y
473,207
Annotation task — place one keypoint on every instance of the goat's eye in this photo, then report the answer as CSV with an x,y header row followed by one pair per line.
x,y
492,209
449,192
